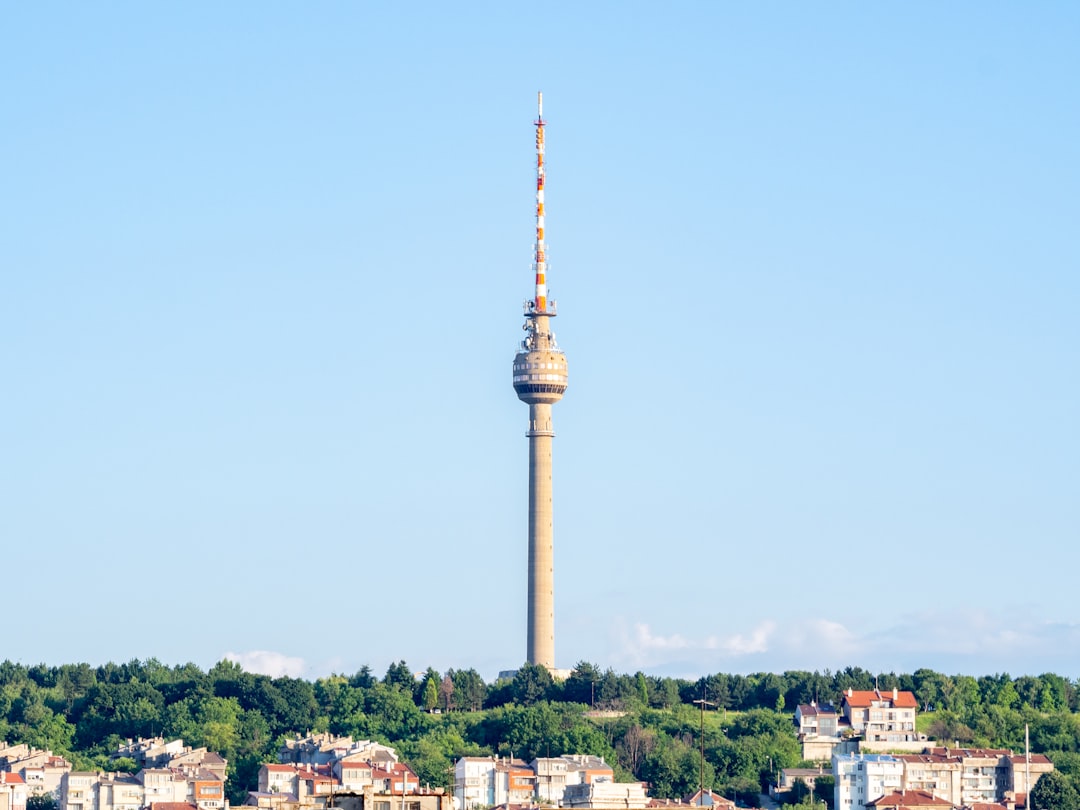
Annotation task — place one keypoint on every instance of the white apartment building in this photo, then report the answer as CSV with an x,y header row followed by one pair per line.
x,y
861,778
78,791
474,782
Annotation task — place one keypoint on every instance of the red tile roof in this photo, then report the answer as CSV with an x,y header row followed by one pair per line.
x,y
910,798
863,699
977,753
928,758
11,779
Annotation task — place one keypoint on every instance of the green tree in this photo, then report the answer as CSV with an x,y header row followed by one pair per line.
x,y
531,684
431,694
642,688
1054,792
41,801
400,675
469,689
581,685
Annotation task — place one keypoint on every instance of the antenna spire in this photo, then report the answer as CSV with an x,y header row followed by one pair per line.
x,y
540,300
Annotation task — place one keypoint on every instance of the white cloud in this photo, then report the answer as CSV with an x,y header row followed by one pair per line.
x,y
266,662
971,640
738,644
640,647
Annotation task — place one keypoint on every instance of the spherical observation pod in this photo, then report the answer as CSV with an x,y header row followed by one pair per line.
x,y
540,376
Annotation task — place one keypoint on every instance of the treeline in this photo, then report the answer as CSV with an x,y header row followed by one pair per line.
x,y
647,727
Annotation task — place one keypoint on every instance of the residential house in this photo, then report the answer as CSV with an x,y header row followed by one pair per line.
x,y
813,720
12,792
885,720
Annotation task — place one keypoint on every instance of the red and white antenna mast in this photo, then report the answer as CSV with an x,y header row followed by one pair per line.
x,y
540,301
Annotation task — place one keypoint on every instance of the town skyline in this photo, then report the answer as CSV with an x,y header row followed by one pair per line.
x,y
838,244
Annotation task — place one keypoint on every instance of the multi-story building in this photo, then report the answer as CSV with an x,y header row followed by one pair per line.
x,y
861,778
119,791
885,720
515,782
488,781
821,732
1024,773
968,776
278,778
154,752
938,774
326,749
354,774
41,770
813,720
394,779
550,778
585,769
88,790
78,791
157,754
474,782
315,749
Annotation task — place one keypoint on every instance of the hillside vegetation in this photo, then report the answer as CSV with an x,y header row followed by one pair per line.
x,y
650,731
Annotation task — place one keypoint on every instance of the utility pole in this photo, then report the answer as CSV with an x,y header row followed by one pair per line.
x,y
701,770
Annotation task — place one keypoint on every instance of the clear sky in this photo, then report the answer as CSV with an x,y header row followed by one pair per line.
x,y
818,275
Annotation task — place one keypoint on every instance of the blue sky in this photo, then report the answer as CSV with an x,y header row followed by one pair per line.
x,y
817,265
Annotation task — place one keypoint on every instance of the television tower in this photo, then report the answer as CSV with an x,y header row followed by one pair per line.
x,y
540,381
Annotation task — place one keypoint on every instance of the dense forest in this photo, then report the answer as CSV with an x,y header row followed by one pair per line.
x,y
648,728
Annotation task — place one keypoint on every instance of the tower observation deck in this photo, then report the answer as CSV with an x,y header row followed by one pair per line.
x,y
540,378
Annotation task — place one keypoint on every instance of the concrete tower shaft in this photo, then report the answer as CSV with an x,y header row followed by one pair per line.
x,y
540,379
